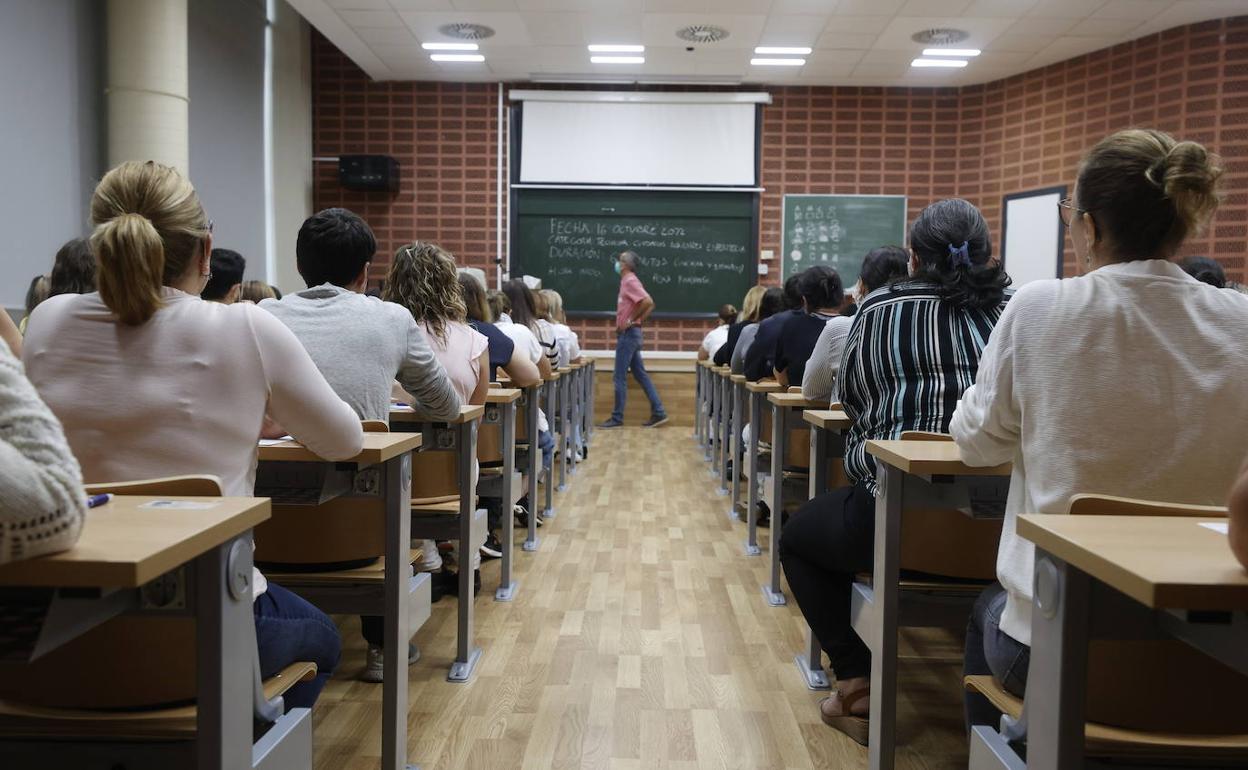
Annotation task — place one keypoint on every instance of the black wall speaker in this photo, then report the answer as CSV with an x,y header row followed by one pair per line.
x,y
369,173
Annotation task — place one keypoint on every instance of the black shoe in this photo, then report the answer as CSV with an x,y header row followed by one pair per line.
x,y
610,424
655,421
450,582
492,548
762,517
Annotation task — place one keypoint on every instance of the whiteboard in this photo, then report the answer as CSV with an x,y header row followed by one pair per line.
x,y
1032,235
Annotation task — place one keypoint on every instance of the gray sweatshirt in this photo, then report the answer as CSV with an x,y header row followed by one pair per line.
x,y
362,345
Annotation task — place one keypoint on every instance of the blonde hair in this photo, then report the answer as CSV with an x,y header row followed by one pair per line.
x,y
254,291
423,279
499,303
149,226
1148,191
554,306
752,303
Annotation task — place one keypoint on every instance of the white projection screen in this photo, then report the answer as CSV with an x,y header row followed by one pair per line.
x,y
1033,235
662,143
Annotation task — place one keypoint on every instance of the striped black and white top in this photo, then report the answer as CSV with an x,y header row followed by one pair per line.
x,y
907,360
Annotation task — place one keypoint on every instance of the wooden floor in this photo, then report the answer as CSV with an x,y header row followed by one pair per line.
x,y
639,639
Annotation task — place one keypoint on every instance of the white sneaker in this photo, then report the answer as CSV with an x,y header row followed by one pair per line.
x,y
374,665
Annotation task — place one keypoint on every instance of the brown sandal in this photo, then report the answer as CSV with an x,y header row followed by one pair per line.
x,y
856,727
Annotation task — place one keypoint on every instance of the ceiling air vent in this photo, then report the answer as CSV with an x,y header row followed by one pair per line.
x,y
466,31
702,33
940,36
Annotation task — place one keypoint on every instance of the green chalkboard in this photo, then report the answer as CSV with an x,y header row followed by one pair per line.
x,y
839,230
697,249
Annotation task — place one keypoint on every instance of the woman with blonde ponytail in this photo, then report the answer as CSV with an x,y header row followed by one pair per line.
x,y
149,380
1082,376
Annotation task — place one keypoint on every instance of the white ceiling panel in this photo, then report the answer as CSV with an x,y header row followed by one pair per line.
x,y
856,42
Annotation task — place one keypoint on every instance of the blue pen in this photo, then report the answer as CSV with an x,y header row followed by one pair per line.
x,y
95,501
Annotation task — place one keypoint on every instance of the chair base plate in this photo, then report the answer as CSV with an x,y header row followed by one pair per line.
x,y
774,598
462,671
506,593
815,678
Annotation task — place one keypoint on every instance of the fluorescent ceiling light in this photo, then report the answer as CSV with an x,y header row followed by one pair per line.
x,y
457,57
771,49
938,63
951,52
596,48
777,62
449,46
618,59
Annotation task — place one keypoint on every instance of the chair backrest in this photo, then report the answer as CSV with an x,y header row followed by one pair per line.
x,y
130,661
1202,696
375,426
1108,505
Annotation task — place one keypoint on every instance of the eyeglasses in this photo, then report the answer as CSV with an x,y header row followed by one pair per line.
x,y
1066,209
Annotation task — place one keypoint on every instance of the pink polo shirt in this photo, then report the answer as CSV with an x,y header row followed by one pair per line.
x,y
631,295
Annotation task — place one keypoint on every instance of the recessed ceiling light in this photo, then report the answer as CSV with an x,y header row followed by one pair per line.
x,y
777,62
951,52
598,48
460,57
938,63
618,59
772,49
449,46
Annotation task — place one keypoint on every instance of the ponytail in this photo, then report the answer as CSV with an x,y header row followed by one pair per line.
x,y
132,263
149,227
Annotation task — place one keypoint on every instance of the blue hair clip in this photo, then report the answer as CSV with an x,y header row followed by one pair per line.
x,y
960,255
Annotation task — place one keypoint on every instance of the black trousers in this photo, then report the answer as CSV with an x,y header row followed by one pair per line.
x,y
823,545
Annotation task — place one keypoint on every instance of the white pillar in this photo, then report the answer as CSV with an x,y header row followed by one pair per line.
x,y
147,82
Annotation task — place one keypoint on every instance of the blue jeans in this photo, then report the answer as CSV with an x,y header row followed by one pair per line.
x,y
288,629
546,443
989,650
628,356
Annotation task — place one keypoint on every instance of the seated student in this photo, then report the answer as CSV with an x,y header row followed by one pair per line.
x,y
73,269
1205,270
36,292
566,341
542,328
1059,390
749,314
717,337
760,360
822,296
771,302
42,504
500,306
942,317
257,292
879,268
361,345
226,279
1239,517
503,352
149,380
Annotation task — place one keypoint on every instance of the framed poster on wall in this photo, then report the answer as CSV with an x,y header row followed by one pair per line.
x,y
1032,235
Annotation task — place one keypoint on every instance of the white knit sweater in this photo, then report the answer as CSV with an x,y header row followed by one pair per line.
x,y
42,503
1127,381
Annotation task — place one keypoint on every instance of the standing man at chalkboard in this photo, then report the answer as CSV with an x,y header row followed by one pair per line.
x,y
631,310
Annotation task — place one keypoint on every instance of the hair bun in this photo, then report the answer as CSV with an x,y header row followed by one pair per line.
x,y
1188,175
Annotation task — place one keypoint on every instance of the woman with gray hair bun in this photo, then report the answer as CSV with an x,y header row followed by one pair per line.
x,y
912,349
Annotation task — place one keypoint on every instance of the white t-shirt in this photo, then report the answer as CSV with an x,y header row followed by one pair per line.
x,y
525,340
715,339
568,344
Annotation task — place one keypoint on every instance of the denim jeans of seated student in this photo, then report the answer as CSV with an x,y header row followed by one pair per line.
x,y
628,356
989,650
289,630
546,443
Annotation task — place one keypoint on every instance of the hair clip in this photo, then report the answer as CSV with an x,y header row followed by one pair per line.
x,y
960,255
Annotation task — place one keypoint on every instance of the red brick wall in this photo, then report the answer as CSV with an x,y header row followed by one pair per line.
x,y
977,142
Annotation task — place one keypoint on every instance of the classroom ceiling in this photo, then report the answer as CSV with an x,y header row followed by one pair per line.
x,y
854,42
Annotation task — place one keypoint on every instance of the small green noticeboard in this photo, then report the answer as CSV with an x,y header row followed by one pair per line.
x,y
839,230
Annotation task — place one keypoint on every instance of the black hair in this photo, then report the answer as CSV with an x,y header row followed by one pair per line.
x,y
883,265
523,303
1205,270
73,270
967,280
227,270
36,293
772,302
792,294
727,313
820,286
334,245
277,293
